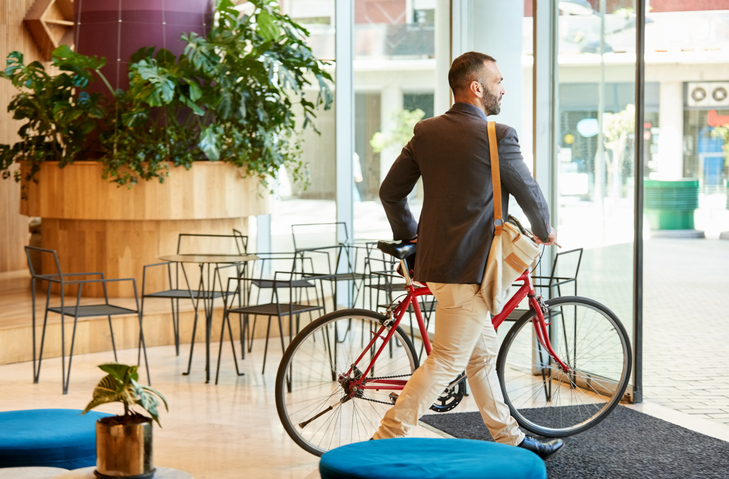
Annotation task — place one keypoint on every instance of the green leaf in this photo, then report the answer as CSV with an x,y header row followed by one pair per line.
x,y
267,26
66,59
210,142
110,389
120,372
142,53
193,106
146,400
165,57
226,104
195,90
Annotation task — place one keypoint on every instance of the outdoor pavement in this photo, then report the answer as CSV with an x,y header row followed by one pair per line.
x,y
686,328
685,286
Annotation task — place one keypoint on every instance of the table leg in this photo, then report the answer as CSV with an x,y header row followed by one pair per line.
x,y
196,305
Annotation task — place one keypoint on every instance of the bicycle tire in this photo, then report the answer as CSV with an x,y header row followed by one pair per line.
x,y
591,341
307,382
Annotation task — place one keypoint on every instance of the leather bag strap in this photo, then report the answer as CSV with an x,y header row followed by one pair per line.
x,y
495,177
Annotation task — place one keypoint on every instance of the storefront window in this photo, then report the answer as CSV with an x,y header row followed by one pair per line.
x,y
687,52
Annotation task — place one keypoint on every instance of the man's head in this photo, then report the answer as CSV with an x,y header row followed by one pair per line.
x,y
475,78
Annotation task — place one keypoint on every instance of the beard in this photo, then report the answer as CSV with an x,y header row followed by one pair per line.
x,y
491,103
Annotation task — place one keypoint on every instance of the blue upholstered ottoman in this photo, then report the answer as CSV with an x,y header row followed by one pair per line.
x,y
426,458
48,437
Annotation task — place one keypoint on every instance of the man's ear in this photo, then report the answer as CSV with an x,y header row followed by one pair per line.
x,y
476,89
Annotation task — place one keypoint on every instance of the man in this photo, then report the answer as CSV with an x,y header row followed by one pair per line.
x,y
451,153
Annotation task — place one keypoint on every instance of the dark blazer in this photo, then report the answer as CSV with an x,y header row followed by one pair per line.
x,y
451,153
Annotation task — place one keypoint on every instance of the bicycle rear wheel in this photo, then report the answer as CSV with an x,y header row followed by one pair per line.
x,y
547,400
314,375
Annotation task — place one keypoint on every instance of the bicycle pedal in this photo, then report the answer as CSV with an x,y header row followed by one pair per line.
x,y
393,397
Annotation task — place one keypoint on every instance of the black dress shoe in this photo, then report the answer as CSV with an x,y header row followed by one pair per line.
x,y
542,449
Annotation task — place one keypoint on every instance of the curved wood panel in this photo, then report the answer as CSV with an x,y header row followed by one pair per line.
x,y
121,249
208,190
94,225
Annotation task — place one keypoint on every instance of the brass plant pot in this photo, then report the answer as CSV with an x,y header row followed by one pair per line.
x,y
124,450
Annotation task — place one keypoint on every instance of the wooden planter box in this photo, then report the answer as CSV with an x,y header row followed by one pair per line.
x,y
94,225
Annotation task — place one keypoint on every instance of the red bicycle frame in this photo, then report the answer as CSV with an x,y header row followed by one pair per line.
x,y
413,292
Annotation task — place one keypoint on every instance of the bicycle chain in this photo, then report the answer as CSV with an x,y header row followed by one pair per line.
x,y
388,403
376,400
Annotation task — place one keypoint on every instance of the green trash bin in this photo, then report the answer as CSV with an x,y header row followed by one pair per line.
x,y
670,205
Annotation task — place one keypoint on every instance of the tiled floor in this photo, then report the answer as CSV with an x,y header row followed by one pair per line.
x,y
686,329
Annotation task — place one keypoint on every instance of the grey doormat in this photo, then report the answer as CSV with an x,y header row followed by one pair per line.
x,y
627,444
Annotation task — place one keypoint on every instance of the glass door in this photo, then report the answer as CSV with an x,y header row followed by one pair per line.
x,y
595,170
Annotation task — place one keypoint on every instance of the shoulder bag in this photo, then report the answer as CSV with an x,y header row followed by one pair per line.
x,y
513,248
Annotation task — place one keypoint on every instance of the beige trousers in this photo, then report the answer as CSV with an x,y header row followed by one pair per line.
x,y
464,339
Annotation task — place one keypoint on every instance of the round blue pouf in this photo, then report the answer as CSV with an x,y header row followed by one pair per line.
x,y
48,437
430,458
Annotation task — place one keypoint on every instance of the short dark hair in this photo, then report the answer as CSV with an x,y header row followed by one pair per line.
x,y
466,69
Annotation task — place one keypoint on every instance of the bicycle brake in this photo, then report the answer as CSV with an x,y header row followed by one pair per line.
x,y
390,319
543,306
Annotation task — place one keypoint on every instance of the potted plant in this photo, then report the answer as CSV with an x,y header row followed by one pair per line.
x,y
124,443
230,96
226,104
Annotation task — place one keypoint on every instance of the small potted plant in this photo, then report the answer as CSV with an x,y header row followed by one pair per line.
x,y
124,443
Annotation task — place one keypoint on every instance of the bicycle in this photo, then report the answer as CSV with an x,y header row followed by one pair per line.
x,y
560,377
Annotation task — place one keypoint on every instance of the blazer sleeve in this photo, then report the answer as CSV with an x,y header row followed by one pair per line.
x,y
518,181
394,190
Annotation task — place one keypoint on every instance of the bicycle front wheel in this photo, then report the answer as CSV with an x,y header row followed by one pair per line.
x,y
546,399
313,386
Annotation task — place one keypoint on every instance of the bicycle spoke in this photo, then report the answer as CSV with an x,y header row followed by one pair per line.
x,y
548,400
309,389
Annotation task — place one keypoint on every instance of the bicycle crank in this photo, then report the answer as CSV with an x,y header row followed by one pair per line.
x,y
451,396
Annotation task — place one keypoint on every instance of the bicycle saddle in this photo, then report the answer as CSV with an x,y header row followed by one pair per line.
x,y
399,249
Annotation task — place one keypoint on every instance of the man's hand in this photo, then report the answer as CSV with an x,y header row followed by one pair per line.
x,y
552,238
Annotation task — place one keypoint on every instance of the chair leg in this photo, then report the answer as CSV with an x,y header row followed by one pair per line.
x,y
143,347
113,344
252,332
226,320
220,348
232,346
192,345
139,339
70,358
35,380
281,333
243,328
36,373
64,388
265,349
175,304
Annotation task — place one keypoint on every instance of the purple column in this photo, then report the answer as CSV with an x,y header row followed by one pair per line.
x,y
115,29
